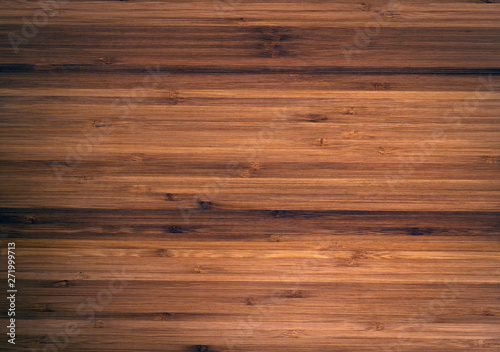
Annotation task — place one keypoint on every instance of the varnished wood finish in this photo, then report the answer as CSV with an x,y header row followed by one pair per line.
x,y
252,175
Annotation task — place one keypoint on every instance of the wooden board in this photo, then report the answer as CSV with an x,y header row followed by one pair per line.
x,y
239,175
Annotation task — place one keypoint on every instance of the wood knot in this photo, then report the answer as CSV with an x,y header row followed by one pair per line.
x,y
479,343
99,324
165,316
279,213
60,284
245,173
387,14
200,348
350,134
417,231
98,124
175,229
348,111
251,170
271,48
360,255
294,294
205,205
105,60
379,326
255,166
164,253
52,11
173,97
487,313
355,257
380,86
272,40
29,219
85,179
293,77
351,262
240,21
365,7
249,301
323,142
382,151
316,118
271,33
275,238
294,333
44,308
170,197
137,157
488,159
80,275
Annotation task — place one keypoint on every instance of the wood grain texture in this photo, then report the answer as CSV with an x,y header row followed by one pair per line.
x,y
251,176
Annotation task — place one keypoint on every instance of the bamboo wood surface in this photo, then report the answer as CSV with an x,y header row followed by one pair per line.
x,y
251,176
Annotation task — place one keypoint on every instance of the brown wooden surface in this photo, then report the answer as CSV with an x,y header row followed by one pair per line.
x,y
225,176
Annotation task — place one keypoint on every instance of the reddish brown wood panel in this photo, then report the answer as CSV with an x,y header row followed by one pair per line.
x,y
250,176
